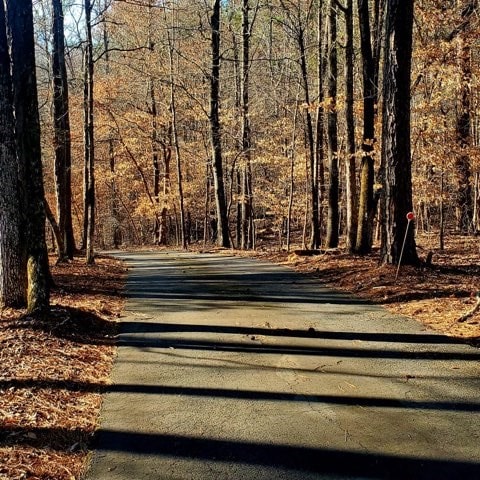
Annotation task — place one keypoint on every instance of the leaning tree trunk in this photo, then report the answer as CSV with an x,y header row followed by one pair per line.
x,y
396,134
332,140
61,125
13,279
223,237
20,24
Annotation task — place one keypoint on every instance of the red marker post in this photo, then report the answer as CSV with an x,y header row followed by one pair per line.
x,y
410,217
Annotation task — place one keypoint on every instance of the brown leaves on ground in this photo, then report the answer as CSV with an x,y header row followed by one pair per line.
x,y
436,296
54,370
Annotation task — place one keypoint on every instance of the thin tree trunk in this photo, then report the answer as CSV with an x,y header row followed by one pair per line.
x,y
207,206
246,240
158,239
173,111
223,236
367,204
319,166
56,232
332,140
89,200
62,143
350,170
314,222
291,155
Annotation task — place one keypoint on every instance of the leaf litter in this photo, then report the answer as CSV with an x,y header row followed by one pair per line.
x,y
54,370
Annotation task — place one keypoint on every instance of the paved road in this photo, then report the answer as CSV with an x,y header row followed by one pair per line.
x,y
232,368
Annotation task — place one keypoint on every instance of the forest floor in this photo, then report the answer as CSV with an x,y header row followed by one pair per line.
x,y
53,372
55,369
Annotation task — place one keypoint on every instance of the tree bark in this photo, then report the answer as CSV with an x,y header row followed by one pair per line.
x,y
223,237
464,199
176,143
89,194
319,166
396,151
370,61
20,24
246,231
351,186
332,139
13,280
62,142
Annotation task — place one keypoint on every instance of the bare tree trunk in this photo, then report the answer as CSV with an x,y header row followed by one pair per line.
x,y
56,232
114,232
370,61
246,240
332,140
89,200
20,23
314,221
291,155
13,279
223,236
62,143
396,149
319,166
351,186
158,238
206,216
159,230
464,201
173,111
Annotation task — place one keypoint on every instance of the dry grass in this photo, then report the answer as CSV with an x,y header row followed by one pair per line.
x,y
53,370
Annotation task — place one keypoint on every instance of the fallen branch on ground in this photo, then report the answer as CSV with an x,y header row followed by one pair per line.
x,y
472,311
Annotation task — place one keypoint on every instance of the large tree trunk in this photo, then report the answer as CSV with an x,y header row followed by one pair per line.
x,y
13,279
62,143
396,134
89,194
223,237
332,140
20,24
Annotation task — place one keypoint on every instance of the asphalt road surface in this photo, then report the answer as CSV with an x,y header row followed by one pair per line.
x,y
231,368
